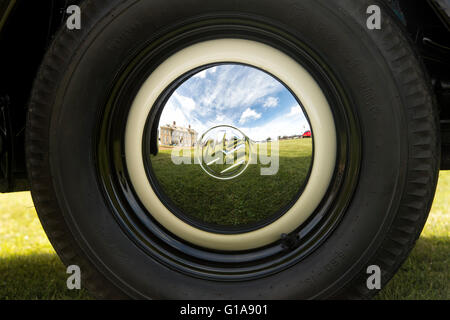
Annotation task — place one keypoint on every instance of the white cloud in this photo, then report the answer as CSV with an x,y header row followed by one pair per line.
x,y
233,95
295,110
284,125
180,109
232,86
200,75
249,114
186,103
203,74
271,102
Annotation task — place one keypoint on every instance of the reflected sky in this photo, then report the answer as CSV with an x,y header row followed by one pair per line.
x,y
236,95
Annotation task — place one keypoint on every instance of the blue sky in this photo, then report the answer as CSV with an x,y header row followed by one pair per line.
x,y
236,95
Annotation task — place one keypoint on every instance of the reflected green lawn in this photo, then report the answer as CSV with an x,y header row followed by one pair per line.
x,y
248,198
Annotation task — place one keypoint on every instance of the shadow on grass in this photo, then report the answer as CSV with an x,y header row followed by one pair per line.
x,y
36,276
424,275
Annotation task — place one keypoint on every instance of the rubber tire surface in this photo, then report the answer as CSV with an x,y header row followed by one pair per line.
x,y
378,68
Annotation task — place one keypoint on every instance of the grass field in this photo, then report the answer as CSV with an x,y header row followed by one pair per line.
x,y
426,273
30,269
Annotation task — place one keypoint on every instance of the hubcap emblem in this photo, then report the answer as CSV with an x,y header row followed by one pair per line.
x,y
224,152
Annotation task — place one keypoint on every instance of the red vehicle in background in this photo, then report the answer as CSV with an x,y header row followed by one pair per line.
x,y
307,134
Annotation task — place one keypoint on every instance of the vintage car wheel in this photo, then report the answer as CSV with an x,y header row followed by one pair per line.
x,y
138,218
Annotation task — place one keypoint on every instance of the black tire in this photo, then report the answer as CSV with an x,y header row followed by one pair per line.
x,y
386,86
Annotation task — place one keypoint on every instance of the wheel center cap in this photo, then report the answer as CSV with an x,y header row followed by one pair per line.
x,y
224,152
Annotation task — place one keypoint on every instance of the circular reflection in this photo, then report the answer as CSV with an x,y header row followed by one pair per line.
x,y
234,149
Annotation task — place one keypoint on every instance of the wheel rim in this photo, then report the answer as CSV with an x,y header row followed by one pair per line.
x,y
282,67
183,255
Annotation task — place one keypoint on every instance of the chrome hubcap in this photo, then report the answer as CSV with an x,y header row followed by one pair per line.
x,y
245,182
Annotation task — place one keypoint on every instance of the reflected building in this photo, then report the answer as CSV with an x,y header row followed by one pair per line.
x,y
173,135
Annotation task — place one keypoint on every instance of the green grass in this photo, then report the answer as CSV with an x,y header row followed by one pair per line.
x,y
426,272
30,269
